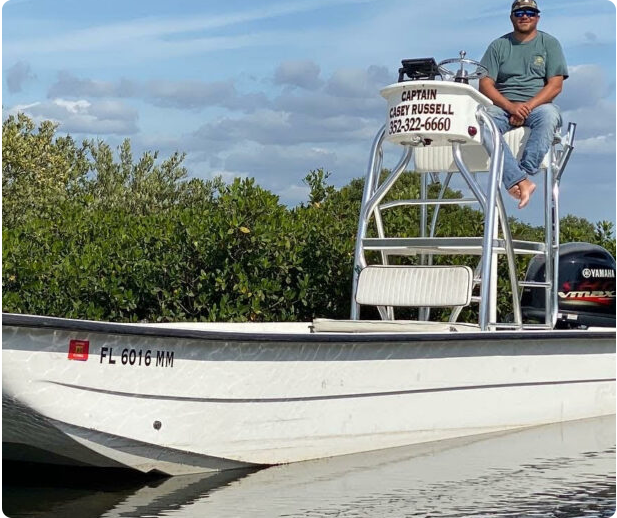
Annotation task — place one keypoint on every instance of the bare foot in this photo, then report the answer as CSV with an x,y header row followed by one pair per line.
x,y
515,192
526,188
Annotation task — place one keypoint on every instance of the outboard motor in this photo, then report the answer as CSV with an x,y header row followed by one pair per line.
x,y
586,287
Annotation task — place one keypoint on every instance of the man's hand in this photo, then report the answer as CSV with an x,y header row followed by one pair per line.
x,y
516,121
519,110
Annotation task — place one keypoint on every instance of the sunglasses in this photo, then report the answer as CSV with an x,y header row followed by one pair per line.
x,y
528,13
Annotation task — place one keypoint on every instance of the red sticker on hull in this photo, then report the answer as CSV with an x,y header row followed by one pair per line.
x,y
78,350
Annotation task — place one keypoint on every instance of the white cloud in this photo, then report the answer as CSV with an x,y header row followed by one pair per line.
x,y
356,83
72,107
267,126
593,121
155,33
278,166
190,93
295,194
184,94
586,86
301,73
82,116
601,144
70,85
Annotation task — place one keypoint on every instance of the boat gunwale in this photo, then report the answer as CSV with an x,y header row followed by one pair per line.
x,y
69,324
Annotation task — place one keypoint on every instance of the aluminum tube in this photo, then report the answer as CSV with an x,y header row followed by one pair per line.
x,y
495,173
380,233
455,313
555,251
548,240
494,255
435,201
492,300
378,167
423,313
556,239
507,235
365,214
378,219
471,181
387,184
440,196
492,311
369,187
423,211
457,310
379,223
375,158
568,148
426,314
369,201
386,313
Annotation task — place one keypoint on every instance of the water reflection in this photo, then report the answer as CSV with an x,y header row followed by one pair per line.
x,y
562,470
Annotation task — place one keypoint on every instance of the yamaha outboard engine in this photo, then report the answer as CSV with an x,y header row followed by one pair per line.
x,y
586,287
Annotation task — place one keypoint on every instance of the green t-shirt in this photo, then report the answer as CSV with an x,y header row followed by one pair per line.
x,y
521,69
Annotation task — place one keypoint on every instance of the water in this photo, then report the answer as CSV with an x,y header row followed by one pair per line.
x,y
562,470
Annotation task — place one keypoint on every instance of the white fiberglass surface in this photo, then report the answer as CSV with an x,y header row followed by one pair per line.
x,y
241,327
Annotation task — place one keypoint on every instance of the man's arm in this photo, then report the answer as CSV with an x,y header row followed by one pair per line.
x,y
520,111
551,89
487,87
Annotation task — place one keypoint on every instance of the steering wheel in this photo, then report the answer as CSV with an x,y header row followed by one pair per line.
x,y
461,74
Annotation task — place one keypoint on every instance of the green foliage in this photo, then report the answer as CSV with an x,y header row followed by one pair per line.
x,y
230,258
89,232
575,229
320,190
326,230
39,170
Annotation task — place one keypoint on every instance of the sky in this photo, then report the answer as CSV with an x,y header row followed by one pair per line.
x,y
273,89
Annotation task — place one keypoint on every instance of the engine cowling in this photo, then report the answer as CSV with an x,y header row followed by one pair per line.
x,y
586,288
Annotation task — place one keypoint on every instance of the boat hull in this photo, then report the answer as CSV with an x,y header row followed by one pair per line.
x,y
210,400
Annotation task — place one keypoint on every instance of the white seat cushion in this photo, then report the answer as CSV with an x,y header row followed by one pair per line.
x,y
415,286
429,159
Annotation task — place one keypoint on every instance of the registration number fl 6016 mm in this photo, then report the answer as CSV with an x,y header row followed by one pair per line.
x,y
137,357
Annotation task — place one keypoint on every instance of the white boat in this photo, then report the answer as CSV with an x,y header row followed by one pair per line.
x,y
191,397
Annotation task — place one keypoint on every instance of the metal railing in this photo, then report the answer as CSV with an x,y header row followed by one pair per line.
x,y
495,217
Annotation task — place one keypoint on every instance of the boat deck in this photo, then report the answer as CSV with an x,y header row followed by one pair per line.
x,y
323,325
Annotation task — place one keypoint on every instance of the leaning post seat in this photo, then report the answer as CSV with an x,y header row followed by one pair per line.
x,y
415,286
